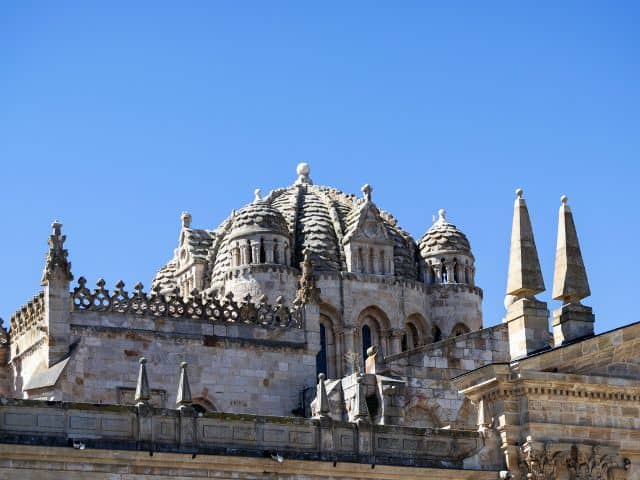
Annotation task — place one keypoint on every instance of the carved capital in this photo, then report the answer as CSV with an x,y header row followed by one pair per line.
x,y
548,461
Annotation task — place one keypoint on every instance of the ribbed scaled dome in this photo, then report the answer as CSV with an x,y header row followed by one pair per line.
x,y
443,237
316,218
258,216
312,217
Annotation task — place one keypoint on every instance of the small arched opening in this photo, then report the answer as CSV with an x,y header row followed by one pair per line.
x,y
459,329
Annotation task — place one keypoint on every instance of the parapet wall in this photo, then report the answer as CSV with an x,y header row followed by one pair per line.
x,y
244,356
145,428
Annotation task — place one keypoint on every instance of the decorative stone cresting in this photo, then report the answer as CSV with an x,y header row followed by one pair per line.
x,y
28,316
197,305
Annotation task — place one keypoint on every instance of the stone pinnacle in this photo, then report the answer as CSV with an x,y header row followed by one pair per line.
x,y
143,394
323,399
570,282
525,277
184,390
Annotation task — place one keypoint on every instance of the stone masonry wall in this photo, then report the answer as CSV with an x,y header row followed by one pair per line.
x,y
431,399
239,368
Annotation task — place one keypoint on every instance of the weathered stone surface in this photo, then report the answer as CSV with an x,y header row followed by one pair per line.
x,y
306,281
525,277
570,282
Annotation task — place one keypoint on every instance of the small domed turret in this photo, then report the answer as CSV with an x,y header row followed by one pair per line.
x,y
259,234
447,253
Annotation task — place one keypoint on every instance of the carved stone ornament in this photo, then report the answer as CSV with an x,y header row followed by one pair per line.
x,y
56,262
308,291
197,305
550,461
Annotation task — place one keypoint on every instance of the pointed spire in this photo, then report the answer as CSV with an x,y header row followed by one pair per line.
x,y
184,390
525,277
143,394
56,262
570,282
360,408
322,398
257,194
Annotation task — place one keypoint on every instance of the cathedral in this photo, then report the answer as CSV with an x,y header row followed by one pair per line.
x,y
308,336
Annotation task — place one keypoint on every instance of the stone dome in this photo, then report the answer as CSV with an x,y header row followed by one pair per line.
x,y
444,238
316,218
256,217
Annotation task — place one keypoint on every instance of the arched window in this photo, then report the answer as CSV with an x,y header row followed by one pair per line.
x,y
413,337
263,254
202,405
436,333
321,357
459,329
366,340
456,278
404,343
329,349
444,271
249,259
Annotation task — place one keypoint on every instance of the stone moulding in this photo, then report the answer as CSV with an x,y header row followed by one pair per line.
x,y
120,427
197,305
414,285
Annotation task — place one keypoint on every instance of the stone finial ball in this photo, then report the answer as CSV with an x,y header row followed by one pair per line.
x,y
303,169
442,213
564,199
321,377
143,360
519,192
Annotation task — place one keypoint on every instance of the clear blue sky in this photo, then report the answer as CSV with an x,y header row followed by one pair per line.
x,y
115,118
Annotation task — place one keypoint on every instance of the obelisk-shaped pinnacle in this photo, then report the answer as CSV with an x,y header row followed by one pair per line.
x,y
570,282
524,277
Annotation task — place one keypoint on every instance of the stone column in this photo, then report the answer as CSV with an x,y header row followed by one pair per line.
x,y
244,253
450,274
235,257
395,343
437,270
268,251
255,251
376,262
280,252
352,351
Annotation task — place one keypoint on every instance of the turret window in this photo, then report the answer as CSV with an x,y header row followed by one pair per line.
x,y
444,271
321,357
366,340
